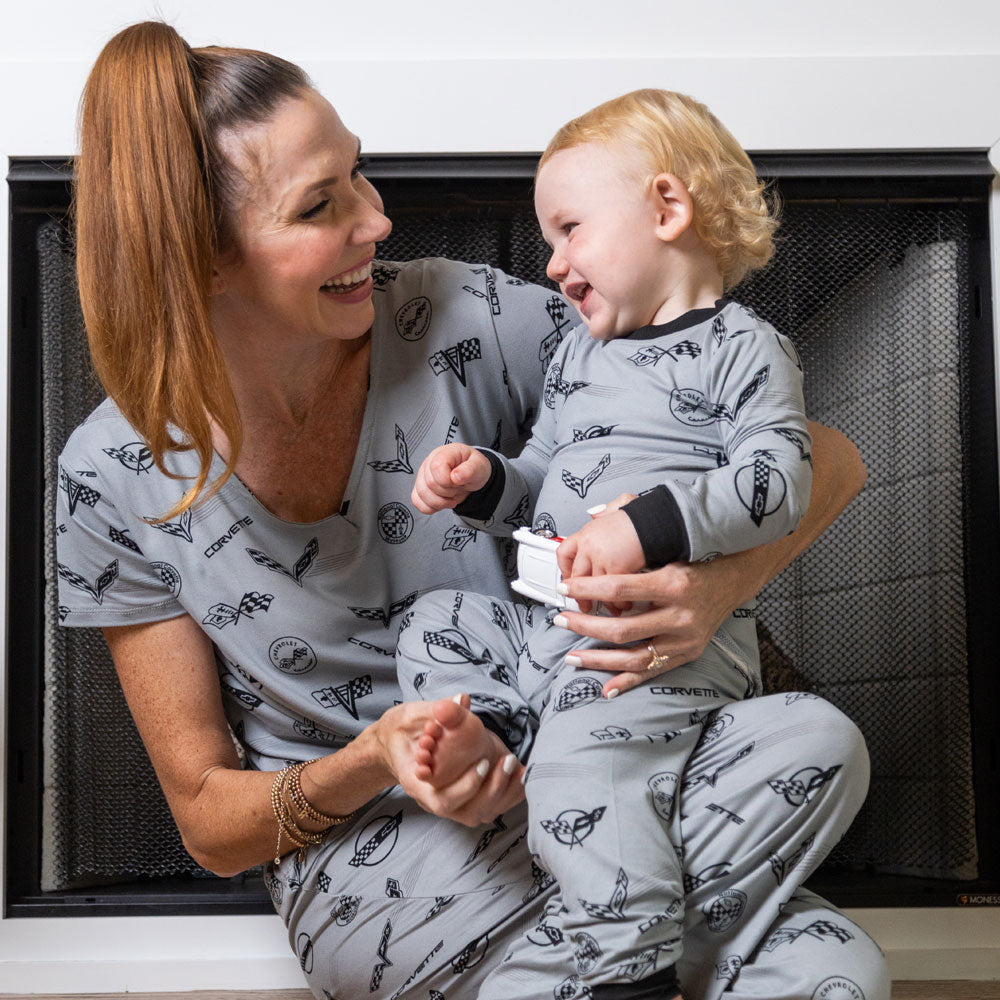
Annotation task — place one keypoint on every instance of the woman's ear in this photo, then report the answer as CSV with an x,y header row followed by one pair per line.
x,y
673,206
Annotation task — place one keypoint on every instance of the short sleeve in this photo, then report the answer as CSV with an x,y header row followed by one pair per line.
x,y
104,577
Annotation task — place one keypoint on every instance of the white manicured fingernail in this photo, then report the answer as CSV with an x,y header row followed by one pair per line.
x,y
524,777
573,661
597,510
509,764
457,699
613,693
483,768
561,621
562,588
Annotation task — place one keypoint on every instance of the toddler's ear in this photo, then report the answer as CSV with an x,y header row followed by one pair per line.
x,y
673,205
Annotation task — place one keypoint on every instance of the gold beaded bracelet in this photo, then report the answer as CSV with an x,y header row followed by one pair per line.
x,y
287,779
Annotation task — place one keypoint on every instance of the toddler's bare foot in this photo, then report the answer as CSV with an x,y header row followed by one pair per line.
x,y
452,742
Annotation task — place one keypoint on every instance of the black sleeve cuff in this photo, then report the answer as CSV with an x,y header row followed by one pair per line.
x,y
658,523
481,505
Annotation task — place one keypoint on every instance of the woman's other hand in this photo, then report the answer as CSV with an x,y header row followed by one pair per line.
x,y
475,797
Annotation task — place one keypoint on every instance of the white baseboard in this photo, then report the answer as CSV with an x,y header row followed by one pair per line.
x,y
172,954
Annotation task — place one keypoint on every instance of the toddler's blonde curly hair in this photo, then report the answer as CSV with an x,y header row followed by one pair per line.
x,y
675,134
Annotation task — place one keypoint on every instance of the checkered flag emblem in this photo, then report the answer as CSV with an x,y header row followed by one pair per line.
x,y
77,493
580,691
381,615
457,537
454,359
99,587
379,837
401,463
751,389
614,909
181,528
345,695
685,349
298,570
121,538
518,518
782,866
827,929
383,963
220,615
136,457
581,484
719,329
647,356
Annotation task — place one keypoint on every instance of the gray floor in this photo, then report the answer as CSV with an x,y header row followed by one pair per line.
x,y
937,990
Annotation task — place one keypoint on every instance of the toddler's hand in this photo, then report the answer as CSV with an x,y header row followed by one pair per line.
x,y
447,476
606,545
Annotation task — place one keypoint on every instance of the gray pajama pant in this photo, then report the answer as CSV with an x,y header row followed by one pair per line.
x,y
720,809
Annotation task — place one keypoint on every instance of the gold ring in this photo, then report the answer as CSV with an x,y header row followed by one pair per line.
x,y
657,659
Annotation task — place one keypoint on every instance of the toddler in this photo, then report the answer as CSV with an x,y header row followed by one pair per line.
x,y
673,392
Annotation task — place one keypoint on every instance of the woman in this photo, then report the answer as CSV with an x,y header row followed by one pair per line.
x,y
245,542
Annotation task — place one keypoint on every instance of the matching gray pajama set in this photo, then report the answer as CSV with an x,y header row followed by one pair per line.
x,y
304,619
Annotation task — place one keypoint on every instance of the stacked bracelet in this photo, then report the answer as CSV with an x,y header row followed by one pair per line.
x,y
288,780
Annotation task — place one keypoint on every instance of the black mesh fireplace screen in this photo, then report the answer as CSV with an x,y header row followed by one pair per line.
x,y
880,296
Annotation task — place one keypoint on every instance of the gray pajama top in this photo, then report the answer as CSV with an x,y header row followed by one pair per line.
x,y
704,415
304,616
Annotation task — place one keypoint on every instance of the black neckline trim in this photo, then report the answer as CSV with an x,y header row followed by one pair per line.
x,y
694,317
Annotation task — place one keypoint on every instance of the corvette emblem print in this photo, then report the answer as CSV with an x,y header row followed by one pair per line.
x,y
345,695
581,484
395,523
579,691
383,962
383,616
376,841
782,866
105,580
685,349
300,567
594,431
135,456
454,359
725,910
614,909
401,463
220,615
457,537
451,646
181,528
122,538
556,385
761,487
414,318
168,575
573,826
77,493
292,655
518,518
648,355
557,309
803,784
838,988
471,955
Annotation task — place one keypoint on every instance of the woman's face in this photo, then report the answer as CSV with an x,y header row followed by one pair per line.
x,y
306,231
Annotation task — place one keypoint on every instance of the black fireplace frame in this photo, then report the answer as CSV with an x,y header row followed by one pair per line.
x,y
40,191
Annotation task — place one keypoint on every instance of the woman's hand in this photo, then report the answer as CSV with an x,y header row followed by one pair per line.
x,y
689,603
474,798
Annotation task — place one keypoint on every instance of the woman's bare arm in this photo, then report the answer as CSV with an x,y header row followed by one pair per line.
x,y
168,674
692,600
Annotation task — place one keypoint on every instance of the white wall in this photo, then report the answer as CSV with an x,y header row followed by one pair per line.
x,y
448,75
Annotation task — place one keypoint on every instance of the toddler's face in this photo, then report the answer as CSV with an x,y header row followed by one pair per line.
x,y
599,218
